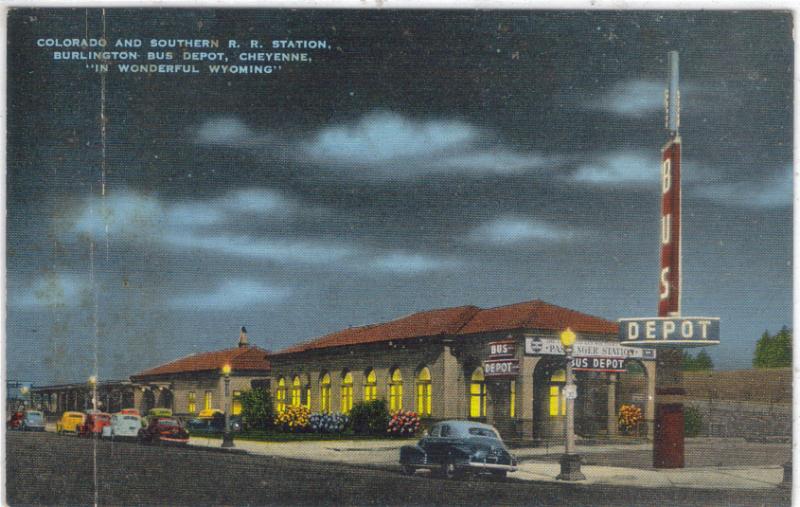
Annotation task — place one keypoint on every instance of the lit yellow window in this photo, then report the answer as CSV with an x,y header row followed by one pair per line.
x,y
280,395
396,390
477,394
325,394
296,392
558,404
308,397
512,409
192,405
236,406
371,386
207,399
347,392
424,392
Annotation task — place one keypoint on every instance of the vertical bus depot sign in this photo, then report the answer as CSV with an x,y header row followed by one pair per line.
x,y
669,299
669,332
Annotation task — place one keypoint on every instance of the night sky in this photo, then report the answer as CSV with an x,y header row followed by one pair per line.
x,y
428,159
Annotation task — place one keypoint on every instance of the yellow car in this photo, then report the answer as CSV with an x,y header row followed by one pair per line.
x,y
70,422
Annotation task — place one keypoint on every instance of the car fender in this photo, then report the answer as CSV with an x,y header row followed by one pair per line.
x,y
412,454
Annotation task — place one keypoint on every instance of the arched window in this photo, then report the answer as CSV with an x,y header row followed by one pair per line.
x,y
370,386
308,396
236,403
477,394
207,399
558,403
192,405
325,393
512,399
396,390
280,395
296,391
347,392
424,392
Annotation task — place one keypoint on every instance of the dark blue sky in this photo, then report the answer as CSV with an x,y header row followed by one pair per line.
x,y
429,159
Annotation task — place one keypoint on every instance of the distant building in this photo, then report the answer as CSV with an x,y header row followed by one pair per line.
x,y
433,362
194,383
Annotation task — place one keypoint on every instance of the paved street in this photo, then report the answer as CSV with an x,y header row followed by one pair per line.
x,y
44,468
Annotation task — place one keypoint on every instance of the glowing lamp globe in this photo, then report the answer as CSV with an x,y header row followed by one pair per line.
x,y
567,337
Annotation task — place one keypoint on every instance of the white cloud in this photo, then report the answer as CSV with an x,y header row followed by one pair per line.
x,y
229,131
276,250
621,168
257,201
771,192
411,263
52,290
632,98
232,294
383,137
493,161
511,230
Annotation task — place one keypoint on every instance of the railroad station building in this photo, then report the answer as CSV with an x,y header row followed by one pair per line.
x,y
441,364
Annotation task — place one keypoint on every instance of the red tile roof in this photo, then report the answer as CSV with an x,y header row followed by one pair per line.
x,y
463,320
240,359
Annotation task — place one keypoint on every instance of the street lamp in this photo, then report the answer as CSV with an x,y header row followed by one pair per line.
x,y
93,385
570,461
227,436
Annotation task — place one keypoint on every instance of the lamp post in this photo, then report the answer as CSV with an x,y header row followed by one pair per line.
x,y
93,385
570,461
227,436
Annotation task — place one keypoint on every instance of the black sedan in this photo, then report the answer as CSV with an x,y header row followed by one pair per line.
x,y
455,447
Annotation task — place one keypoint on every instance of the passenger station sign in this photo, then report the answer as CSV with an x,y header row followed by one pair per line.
x,y
669,332
589,356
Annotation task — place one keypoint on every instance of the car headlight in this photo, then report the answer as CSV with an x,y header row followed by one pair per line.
x,y
480,454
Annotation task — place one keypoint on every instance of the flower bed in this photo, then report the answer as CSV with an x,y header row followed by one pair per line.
x,y
403,423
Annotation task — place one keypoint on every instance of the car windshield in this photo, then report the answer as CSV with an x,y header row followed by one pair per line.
x,y
168,422
483,432
131,418
34,416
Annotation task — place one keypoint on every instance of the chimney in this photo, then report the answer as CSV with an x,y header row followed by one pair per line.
x,y
243,337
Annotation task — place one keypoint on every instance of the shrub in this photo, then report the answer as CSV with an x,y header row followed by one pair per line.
x,y
369,417
328,423
629,417
294,419
692,421
403,423
256,409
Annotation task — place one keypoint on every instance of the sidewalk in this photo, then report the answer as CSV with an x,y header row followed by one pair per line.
x,y
540,464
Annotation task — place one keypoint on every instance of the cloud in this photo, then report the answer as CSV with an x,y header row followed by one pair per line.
x,y
232,294
382,137
771,192
511,230
411,263
276,250
498,161
621,168
632,98
229,131
54,290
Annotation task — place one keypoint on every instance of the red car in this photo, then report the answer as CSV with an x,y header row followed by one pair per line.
x,y
163,430
93,427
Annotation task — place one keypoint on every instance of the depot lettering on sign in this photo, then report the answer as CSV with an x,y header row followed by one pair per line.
x,y
609,364
501,367
674,332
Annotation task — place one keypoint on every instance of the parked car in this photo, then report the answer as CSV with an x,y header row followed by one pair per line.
x,y
94,424
214,424
123,426
163,430
33,420
15,422
455,447
70,421
130,411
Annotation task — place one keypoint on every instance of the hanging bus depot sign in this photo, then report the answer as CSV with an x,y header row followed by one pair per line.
x,y
501,349
543,346
501,368
669,332
609,364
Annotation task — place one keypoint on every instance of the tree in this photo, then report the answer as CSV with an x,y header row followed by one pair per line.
x,y
774,351
257,408
701,362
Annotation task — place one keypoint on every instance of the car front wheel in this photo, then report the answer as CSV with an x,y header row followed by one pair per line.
x,y
408,470
450,470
